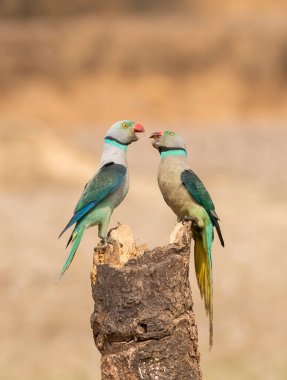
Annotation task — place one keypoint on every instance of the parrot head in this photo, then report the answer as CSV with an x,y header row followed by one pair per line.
x,y
124,131
167,139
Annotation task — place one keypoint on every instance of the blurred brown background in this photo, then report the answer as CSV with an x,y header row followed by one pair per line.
x,y
214,71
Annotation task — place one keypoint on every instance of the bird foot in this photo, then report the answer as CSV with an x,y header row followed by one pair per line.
x,y
103,244
194,222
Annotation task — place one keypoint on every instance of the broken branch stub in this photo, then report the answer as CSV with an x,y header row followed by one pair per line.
x,y
143,322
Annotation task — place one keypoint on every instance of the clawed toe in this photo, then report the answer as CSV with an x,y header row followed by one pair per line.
x,y
102,245
194,222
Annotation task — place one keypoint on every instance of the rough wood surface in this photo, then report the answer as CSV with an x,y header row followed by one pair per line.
x,y
143,322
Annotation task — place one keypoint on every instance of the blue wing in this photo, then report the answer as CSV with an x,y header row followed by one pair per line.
x,y
105,182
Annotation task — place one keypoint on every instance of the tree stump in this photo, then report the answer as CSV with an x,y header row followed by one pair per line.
x,y
143,322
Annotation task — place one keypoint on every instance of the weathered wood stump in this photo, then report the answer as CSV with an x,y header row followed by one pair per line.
x,y
143,322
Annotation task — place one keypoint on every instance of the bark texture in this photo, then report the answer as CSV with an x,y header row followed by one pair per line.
x,y
143,321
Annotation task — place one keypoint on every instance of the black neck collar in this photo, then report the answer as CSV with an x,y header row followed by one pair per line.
x,y
167,149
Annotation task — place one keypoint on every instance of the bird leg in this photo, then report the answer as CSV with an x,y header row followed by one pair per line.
x,y
102,245
104,242
103,234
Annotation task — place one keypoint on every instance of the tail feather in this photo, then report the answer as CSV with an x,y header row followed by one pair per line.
x,y
70,238
214,218
203,269
75,238
78,216
218,230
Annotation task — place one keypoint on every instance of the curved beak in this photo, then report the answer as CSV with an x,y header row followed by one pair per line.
x,y
156,135
138,128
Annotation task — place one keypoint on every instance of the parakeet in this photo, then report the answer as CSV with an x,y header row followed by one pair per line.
x,y
187,196
107,189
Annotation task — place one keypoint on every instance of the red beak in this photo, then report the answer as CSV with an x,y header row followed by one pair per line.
x,y
138,128
156,135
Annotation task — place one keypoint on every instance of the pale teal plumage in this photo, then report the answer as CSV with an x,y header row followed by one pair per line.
x,y
116,144
173,153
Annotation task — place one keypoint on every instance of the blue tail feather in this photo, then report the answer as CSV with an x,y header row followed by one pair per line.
x,y
78,216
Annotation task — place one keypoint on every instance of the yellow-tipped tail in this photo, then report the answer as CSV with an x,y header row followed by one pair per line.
x,y
203,269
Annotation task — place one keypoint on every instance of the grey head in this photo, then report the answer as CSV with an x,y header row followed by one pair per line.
x,y
124,132
167,140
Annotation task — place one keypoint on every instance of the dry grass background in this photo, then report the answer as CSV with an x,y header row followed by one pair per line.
x,y
216,74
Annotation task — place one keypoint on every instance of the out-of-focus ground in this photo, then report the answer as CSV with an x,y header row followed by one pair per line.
x,y
218,75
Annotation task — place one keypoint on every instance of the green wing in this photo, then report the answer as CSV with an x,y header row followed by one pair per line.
x,y
108,179
105,182
199,193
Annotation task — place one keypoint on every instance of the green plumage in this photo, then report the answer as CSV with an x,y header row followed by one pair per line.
x,y
100,196
187,196
198,191
75,238
107,189
102,184
203,270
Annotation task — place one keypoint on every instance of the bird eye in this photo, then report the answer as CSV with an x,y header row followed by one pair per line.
x,y
171,133
124,125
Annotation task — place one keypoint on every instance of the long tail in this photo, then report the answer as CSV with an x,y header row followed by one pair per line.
x,y
218,230
75,238
203,268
